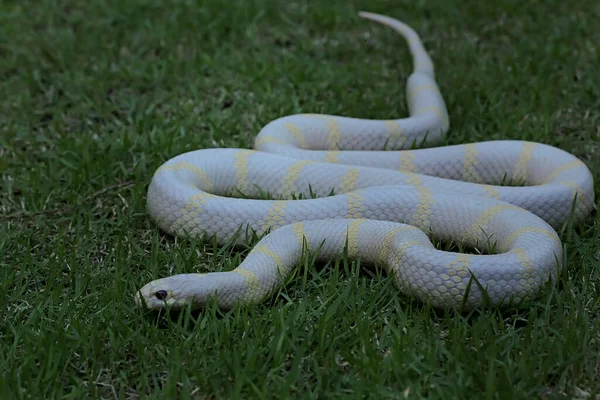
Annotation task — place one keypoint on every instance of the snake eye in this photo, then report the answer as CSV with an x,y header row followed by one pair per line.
x,y
161,294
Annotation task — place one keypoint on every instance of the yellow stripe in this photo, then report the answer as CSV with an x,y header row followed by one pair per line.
x,y
477,230
522,166
189,219
433,109
260,140
332,156
184,223
575,189
421,217
394,137
561,169
262,249
293,129
525,262
456,272
241,170
253,286
289,184
275,216
387,247
490,191
413,92
334,135
355,208
571,185
406,161
206,183
414,179
353,238
195,201
459,267
398,253
469,171
436,110
527,278
532,229
349,180
298,230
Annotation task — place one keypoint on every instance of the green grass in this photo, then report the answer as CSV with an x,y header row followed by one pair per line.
x,y
94,97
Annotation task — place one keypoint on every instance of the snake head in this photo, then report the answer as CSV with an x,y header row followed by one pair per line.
x,y
179,291
166,293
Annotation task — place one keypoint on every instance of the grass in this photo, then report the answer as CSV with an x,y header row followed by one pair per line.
x,y
94,97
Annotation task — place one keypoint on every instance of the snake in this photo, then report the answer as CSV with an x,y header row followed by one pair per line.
x,y
375,191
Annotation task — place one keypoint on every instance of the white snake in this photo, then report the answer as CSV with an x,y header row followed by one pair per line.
x,y
384,202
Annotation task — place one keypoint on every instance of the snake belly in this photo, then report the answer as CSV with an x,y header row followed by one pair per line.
x,y
386,200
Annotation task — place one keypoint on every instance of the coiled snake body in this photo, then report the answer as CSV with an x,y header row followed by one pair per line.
x,y
383,205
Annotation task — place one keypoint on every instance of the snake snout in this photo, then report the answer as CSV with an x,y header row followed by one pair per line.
x,y
153,296
173,292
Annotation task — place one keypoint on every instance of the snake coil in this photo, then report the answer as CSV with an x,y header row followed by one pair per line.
x,y
386,199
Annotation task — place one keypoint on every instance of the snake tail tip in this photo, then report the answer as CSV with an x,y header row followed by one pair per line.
x,y
367,14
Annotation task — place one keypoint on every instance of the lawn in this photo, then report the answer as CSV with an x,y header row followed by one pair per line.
x,y
94,97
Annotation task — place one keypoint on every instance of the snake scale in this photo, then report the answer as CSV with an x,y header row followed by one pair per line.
x,y
387,198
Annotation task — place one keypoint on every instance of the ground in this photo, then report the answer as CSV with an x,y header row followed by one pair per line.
x,y
94,97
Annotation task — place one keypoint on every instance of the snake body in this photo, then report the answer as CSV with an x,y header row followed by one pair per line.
x,y
385,200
